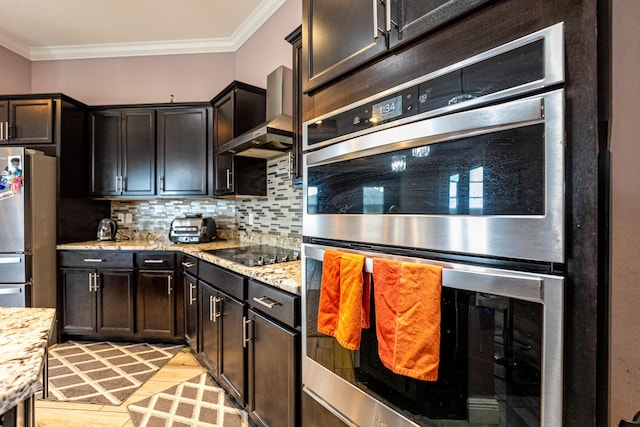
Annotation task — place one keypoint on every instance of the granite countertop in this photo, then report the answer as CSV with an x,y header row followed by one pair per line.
x,y
284,275
24,334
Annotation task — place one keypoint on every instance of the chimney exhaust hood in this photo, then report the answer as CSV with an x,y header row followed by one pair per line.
x,y
274,137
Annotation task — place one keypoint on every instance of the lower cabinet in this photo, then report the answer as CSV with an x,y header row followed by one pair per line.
x,y
273,368
155,299
119,295
273,356
223,327
97,294
190,288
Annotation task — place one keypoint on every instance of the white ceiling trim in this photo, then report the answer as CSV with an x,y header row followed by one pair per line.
x,y
170,47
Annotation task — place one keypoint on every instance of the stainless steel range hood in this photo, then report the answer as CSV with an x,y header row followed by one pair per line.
x,y
272,138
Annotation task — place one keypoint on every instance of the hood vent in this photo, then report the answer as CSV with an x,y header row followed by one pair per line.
x,y
272,138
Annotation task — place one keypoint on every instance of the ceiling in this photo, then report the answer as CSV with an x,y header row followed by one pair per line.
x,y
74,29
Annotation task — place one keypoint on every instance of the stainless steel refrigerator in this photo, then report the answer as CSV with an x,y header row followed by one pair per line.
x,y
27,228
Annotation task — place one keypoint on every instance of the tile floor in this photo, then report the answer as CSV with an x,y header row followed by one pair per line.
x,y
62,414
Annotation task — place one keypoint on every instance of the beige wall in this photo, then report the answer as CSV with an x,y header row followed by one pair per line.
x,y
152,79
625,205
15,73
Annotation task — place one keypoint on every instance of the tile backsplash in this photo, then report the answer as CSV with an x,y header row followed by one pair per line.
x,y
278,214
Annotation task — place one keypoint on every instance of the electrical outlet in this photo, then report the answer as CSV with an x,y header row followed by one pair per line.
x,y
128,218
121,218
250,219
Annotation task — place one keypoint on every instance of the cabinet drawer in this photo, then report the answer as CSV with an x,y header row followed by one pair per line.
x,y
190,265
96,259
155,260
228,282
275,303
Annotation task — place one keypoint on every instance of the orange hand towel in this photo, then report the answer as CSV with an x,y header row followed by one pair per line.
x,y
407,300
344,298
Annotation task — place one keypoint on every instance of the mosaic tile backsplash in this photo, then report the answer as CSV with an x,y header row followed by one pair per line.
x,y
279,214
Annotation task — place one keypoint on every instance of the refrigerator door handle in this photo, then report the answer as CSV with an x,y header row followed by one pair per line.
x,y
10,260
7,290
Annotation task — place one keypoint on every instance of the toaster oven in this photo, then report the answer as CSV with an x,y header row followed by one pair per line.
x,y
193,229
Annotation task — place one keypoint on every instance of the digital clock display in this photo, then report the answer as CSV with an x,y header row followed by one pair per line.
x,y
387,109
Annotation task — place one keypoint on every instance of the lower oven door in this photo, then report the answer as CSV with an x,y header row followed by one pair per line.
x,y
500,353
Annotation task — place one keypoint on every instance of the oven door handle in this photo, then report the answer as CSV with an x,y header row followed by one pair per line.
x,y
512,285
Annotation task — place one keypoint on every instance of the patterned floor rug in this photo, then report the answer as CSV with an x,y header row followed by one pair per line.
x,y
103,372
196,402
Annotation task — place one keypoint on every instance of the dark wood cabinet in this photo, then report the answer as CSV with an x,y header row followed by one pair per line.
x,y
151,151
209,328
155,296
190,287
97,294
295,38
342,36
184,147
123,147
223,327
237,109
273,356
155,304
26,121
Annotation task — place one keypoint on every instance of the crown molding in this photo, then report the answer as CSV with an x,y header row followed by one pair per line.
x,y
170,47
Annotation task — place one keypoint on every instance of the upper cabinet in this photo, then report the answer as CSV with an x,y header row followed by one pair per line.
x,y
340,36
26,121
184,140
148,152
123,147
295,38
237,109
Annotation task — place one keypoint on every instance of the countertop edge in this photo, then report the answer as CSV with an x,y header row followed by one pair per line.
x,y
285,276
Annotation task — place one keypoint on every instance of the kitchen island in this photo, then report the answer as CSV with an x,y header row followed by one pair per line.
x,y
24,336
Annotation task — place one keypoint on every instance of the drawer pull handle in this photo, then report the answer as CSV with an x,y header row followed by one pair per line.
x,y
269,303
10,260
93,260
188,264
153,261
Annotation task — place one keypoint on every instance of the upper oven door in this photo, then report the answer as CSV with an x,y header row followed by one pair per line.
x,y
486,182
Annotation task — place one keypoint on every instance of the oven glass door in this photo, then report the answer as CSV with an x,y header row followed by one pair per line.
x,y
463,183
500,354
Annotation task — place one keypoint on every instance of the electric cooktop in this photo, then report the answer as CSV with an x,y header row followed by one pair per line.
x,y
255,255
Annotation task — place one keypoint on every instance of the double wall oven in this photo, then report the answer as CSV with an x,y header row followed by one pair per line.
x,y
463,169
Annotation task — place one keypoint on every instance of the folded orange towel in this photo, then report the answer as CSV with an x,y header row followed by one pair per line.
x,y
344,298
407,300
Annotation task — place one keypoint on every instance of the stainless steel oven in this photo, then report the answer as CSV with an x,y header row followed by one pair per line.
x,y
464,169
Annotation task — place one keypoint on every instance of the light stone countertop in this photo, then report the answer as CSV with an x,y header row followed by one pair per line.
x,y
284,275
24,335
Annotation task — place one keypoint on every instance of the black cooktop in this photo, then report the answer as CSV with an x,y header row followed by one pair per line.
x,y
255,255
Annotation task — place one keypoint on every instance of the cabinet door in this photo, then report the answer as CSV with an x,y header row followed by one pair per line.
x,y
156,304
413,18
209,328
223,131
191,312
31,121
233,348
339,36
78,301
115,303
295,38
273,373
182,152
105,153
138,163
